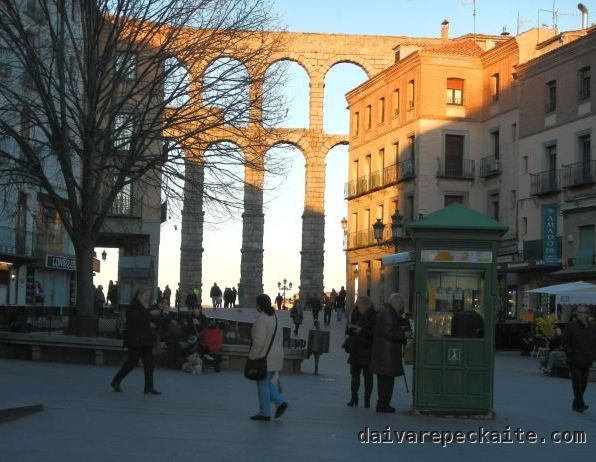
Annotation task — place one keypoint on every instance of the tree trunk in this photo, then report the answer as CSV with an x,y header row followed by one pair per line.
x,y
85,320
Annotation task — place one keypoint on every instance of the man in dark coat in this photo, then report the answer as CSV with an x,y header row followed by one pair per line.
x,y
359,346
139,339
387,350
579,342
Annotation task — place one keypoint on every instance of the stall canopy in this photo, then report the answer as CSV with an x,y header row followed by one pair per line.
x,y
564,288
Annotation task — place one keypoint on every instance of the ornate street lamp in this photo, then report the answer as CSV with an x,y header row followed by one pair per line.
x,y
396,230
104,255
283,287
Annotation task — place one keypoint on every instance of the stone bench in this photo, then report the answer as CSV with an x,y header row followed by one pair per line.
x,y
60,347
100,351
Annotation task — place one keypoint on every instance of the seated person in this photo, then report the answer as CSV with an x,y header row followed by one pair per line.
x,y
192,357
467,324
556,353
211,338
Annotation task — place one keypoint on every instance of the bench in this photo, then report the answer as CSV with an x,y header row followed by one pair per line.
x,y
59,347
100,350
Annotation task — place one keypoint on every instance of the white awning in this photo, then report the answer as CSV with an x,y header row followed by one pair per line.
x,y
398,258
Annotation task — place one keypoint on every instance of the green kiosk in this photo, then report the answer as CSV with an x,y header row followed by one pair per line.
x,y
455,290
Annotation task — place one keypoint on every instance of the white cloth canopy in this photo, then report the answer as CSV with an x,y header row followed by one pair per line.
x,y
564,288
578,297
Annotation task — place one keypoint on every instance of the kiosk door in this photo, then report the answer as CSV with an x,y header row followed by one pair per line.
x,y
453,364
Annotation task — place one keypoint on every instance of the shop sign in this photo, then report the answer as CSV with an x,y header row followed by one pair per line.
x,y
549,234
457,256
61,263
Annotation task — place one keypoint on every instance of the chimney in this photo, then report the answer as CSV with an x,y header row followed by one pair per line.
x,y
504,33
445,31
581,7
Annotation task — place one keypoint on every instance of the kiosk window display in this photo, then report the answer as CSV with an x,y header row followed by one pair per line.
x,y
454,303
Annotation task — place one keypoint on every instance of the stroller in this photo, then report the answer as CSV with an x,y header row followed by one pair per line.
x,y
211,341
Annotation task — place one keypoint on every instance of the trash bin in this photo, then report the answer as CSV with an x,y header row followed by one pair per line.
x,y
318,341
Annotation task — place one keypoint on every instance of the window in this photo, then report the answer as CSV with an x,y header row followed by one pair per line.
x,y
525,225
493,206
122,204
513,132
381,110
381,159
551,96
495,143
525,164
396,152
126,66
454,155
380,212
123,131
410,95
587,245
455,91
585,151
495,85
551,157
4,61
452,199
583,83
368,117
395,102
409,211
355,123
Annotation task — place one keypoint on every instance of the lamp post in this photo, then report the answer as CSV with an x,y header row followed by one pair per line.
x,y
396,231
283,287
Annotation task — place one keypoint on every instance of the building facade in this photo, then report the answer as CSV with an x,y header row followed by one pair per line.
x,y
465,122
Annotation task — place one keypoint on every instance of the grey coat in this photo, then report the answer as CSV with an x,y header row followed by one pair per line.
x,y
387,344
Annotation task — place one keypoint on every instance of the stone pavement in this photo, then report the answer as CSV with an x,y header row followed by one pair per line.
x,y
205,417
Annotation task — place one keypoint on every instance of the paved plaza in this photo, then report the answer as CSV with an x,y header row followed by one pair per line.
x,y
205,416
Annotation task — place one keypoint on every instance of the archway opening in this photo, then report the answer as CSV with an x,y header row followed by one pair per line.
x,y
340,79
286,95
226,89
283,199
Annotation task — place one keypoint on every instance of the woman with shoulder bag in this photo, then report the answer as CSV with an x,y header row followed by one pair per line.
x,y
267,341
139,338
358,345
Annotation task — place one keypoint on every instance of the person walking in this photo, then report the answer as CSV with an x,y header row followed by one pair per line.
x,y
139,339
387,350
340,302
215,294
297,314
266,331
579,341
359,347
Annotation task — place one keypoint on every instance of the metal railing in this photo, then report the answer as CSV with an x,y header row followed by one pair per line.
x,y
16,243
546,182
405,170
579,174
358,239
368,183
463,169
489,166
126,206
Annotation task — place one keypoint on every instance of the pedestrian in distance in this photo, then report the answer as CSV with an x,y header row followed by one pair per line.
x,y
267,335
579,341
387,350
139,338
358,345
297,314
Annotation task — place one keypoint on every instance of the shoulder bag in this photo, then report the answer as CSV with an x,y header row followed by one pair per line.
x,y
256,369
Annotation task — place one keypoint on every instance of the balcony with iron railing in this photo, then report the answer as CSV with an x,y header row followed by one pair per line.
x,y
490,166
462,170
405,170
579,174
17,243
126,206
547,182
359,239
369,183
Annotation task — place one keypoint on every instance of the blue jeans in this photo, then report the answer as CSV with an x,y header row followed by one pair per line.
x,y
268,392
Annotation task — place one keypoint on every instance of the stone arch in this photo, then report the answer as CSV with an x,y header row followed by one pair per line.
x,y
361,64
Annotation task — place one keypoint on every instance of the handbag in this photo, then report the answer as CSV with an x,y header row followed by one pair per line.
x,y
349,343
256,369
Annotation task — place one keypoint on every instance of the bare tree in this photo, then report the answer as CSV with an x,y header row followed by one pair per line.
x,y
115,93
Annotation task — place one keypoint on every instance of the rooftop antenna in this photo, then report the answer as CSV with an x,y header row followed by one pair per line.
x,y
467,2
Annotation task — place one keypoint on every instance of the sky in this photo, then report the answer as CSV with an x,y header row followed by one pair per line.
x,y
284,205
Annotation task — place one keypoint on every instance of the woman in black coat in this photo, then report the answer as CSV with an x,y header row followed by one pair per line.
x,y
359,346
139,339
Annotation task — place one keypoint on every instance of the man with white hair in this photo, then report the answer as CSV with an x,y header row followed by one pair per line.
x,y
387,350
